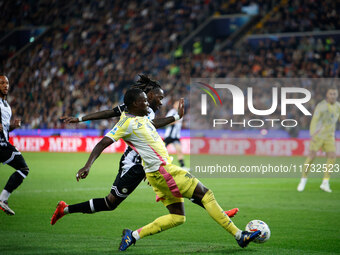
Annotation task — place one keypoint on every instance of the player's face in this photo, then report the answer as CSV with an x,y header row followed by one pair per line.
x,y
155,99
331,96
4,85
142,104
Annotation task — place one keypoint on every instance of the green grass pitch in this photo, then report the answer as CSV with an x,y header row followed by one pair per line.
x,y
301,223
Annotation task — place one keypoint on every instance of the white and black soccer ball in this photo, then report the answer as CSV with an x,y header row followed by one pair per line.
x,y
255,225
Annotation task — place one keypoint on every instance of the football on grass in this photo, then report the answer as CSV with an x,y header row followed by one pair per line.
x,y
255,225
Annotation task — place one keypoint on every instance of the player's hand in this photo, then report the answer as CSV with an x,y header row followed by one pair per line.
x,y
181,107
17,123
1,128
82,173
68,119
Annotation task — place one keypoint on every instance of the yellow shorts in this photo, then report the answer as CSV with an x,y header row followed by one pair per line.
x,y
326,145
171,183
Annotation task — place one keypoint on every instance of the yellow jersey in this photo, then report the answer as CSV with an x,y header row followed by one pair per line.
x,y
324,120
141,135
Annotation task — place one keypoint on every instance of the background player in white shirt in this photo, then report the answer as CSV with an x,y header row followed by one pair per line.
x,y
8,153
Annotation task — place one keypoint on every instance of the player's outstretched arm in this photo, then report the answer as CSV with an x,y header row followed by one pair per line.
x,y
162,122
97,150
115,112
92,116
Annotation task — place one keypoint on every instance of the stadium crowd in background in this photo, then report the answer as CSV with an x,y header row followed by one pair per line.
x,y
302,16
94,51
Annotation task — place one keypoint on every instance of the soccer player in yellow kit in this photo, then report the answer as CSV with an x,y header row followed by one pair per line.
x,y
322,131
170,182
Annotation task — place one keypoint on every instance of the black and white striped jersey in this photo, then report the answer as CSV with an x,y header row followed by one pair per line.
x,y
173,131
5,113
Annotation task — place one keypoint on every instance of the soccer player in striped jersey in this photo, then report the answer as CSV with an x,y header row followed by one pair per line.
x,y
131,172
8,153
173,134
170,182
322,131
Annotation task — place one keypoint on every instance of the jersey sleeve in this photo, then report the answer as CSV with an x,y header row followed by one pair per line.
x,y
118,110
120,130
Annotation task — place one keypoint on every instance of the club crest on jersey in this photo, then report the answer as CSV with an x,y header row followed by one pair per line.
x,y
139,125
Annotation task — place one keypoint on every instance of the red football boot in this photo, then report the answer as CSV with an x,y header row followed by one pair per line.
x,y
59,212
231,213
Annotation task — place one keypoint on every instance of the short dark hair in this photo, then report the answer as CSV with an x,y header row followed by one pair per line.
x,y
146,84
332,88
131,96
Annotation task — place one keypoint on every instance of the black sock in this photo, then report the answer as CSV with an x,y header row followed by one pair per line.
x,y
181,162
91,206
197,202
14,181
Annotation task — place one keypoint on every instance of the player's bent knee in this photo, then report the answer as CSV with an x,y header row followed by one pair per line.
x,y
112,201
23,171
199,192
208,197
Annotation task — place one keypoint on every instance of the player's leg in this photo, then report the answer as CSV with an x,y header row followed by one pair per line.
x,y
231,213
94,205
175,218
182,182
16,161
179,152
207,198
163,185
125,183
209,202
173,181
330,150
190,187
122,187
306,166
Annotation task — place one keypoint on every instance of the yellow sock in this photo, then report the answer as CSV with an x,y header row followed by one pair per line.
x,y
330,166
160,224
305,169
217,213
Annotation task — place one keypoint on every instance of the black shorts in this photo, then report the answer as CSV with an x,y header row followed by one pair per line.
x,y
125,184
11,156
170,140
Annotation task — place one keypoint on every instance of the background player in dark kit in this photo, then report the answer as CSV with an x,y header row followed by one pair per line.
x,y
8,153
